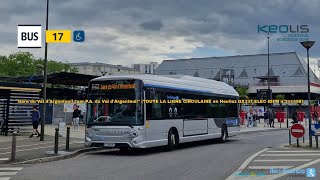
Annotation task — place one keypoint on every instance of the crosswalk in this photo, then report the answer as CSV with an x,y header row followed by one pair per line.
x,y
270,162
7,172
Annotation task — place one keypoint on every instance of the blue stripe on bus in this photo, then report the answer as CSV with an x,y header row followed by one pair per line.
x,y
169,87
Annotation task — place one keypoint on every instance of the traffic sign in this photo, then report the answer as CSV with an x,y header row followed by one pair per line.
x,y
29,36
315,130
58,36
297,131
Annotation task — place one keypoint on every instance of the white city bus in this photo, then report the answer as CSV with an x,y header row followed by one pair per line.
x,y
137,124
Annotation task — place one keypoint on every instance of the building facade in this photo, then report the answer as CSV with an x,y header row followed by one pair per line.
x,y
287,73
146,68
101,69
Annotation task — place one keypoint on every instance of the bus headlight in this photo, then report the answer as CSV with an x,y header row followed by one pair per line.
x,y
88,134
134,133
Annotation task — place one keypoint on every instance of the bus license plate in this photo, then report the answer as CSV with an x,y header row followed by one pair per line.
x,y
109,145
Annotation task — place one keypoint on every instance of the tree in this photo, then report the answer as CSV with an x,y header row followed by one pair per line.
x,y
23,64
243,93
280,97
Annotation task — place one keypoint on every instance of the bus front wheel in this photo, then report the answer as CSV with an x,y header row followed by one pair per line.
x,y
172,140
224,134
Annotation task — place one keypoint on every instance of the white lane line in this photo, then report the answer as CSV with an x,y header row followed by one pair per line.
x,y
290,154
293,151
246,162
27,145
281,160
33,149
269,167
11,168
4,159
293,169
5,178
7,173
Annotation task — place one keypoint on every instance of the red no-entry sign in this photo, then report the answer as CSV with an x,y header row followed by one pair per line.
x,y
297,130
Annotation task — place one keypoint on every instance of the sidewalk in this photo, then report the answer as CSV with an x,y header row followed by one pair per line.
x,y
277,126
32,148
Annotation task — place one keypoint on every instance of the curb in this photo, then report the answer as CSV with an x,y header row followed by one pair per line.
x,y
262,130
57,158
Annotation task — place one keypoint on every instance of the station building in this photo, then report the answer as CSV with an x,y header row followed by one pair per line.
x,y
287,74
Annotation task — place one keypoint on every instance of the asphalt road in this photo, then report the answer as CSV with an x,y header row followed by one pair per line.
x,y
204,160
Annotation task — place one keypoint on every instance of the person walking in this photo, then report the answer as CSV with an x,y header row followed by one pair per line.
x,y
249,118
76,117
266,118
271,119
295,117
315,116
35,121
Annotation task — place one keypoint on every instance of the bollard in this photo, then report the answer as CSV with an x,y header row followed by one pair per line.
x,y
56,141
68,138
13,147
289,137
317,142
297,142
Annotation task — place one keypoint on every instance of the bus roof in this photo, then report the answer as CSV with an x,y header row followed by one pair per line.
x,y
179,82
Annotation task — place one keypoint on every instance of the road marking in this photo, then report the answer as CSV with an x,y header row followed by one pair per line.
x,y
5,178
293,169
281,160
290,154
247,161
11,168
269,167
33,149
293,151
27,145
4,159
7,173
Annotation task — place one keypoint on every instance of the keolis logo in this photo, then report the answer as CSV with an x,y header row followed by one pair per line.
x,y
283,29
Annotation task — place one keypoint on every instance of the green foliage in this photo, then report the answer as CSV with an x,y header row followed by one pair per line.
x,y
280,96
243,92
23,64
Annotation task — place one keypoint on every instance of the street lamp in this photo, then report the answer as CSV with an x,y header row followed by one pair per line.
x,y
45,69
308,45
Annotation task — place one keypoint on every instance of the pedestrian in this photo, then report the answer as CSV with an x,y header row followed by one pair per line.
x,y
316,116
266,118
35,121
271,119
76,117
254,118
295,117
249,118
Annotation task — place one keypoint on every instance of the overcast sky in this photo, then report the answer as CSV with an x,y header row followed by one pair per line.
x,y
139,31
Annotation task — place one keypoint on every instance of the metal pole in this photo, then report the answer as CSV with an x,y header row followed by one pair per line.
x,y
56,141
289,137
310,137
45,69
268,65
297,142
13,147
287,116
303,138
317,142
68,138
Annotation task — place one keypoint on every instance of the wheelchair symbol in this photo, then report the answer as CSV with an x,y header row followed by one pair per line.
x,y
78,36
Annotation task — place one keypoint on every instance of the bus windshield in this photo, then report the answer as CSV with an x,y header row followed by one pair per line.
x,y
115,103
